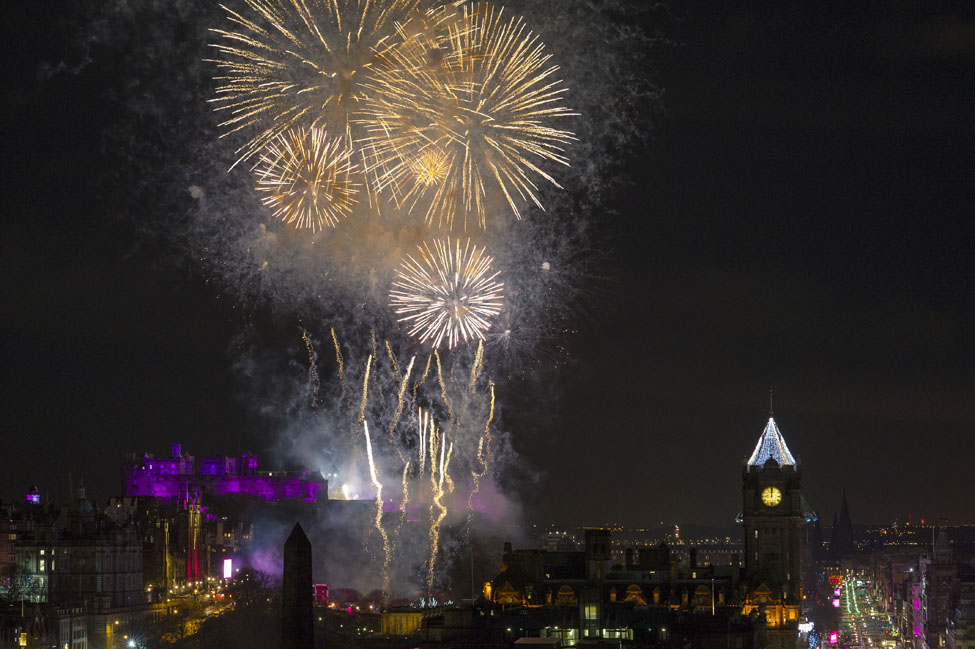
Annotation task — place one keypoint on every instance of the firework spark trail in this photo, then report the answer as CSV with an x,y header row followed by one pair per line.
x,y
450,123
364,401
307,179
399,396
476,368
447,292
387,548
312,368
422,379
443,387
338,360
392,359
483,458
437,482
424,421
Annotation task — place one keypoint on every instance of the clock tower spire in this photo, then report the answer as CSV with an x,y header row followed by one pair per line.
x,y
773,512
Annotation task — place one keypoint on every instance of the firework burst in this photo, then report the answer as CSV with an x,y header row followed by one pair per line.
x,y
307,179
449,122
447,292
286,63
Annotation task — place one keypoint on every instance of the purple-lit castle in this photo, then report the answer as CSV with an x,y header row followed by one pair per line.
x,y
179,475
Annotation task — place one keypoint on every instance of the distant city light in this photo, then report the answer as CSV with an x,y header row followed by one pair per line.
x,y
834,637
228,568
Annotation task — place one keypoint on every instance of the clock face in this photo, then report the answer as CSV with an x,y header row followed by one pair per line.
x,y
771,496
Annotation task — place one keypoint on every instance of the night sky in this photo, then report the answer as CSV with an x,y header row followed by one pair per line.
x,y
799,216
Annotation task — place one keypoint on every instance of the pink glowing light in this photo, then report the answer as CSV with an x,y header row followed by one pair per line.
x,y
834,637
321,594
836,603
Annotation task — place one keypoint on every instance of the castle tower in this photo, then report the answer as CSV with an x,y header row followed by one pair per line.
x,y
773,515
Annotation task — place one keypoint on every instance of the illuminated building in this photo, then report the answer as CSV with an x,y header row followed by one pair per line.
x,y
96,559
173,539
937,600
401,621
181,475
582,594
26,533
773,514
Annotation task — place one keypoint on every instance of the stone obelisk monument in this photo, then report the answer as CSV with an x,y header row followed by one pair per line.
x,y
297,630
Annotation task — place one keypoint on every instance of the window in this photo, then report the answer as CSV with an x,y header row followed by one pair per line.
x,y
42,563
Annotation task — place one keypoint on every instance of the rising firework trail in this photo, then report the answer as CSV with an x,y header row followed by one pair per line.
x,y
313,380
451,124
374,476
438,474
307,179
418,452
447,293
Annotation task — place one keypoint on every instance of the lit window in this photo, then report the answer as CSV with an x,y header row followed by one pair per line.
x,y
591,612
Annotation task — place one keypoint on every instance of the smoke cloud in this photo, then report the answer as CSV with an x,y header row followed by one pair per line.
x,y
295,288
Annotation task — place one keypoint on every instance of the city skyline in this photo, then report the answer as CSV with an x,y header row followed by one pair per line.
x,y
795,212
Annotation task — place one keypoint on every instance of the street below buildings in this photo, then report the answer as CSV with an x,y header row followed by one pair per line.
x,y
863,622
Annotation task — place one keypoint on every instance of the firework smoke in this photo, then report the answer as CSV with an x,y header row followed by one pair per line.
x,y
214,224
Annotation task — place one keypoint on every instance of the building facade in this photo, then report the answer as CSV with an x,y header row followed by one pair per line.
x,y
774,513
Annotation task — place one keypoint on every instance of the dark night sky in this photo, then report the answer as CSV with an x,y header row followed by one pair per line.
x,y
801,217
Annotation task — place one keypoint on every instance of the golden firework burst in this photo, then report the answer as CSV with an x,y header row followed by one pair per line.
x,y
478,107
286,63
307,178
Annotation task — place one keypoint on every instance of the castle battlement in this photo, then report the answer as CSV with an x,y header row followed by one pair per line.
x,y
180,475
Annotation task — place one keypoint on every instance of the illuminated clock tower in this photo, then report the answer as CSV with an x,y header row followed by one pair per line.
x,y
773,513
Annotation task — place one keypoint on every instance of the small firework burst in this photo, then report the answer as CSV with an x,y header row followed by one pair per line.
x,y
307,179
447,292
430,167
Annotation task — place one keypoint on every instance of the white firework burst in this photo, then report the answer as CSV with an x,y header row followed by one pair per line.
x,y
447,292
